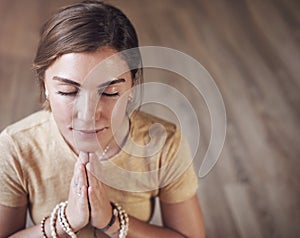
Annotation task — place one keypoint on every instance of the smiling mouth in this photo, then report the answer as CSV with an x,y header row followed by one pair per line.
x,y
89,132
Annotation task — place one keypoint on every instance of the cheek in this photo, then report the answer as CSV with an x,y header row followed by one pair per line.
x,y
62,110
118,112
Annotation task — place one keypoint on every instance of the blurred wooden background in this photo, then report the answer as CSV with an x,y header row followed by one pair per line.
x,y
252,50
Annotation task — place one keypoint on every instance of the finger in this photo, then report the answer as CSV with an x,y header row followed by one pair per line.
x,y
75,179
91,162
96,189
93,198
92,180
77,210
83,157
94,165
83,194
99,204
79,178
91,167
82,175
78,207
97,192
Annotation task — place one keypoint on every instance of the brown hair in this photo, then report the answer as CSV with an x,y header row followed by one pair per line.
x,y
85,27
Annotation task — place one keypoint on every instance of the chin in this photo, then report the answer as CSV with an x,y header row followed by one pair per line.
x,y
87,146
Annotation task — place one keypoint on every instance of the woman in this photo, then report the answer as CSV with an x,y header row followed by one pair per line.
x,y
73,165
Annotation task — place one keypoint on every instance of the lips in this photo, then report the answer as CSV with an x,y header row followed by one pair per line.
x,y
89,132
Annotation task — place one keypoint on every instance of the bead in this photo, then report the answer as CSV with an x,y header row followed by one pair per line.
x,y
64,221
43,227
124,221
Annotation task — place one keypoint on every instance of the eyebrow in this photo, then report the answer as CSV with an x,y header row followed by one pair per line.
x,y
108,83
64,80
103,85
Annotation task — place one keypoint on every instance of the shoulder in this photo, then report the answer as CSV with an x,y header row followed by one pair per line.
x,y
156,135
30,122
29,129
21,157
144,122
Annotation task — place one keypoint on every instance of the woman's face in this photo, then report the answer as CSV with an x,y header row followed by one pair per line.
x,y
88,102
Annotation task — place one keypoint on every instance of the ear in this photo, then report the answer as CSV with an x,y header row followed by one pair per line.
x,y
131,94
130,98
46,91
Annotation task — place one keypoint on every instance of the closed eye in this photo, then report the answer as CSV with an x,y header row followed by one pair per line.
x,y
109,91
67,93
110,94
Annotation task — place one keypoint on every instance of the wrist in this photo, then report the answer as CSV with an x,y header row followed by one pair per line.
x,y
60,231
114,229
113,225
47,229
123,222
58,223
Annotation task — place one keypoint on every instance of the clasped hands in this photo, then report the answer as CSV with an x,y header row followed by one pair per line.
x,y
88,200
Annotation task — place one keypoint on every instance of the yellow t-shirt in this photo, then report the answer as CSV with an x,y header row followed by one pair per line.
x,y
36,167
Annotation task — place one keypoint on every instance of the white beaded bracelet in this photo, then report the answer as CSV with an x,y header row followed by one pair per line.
x,y
64,221
124,221
59,212
43,227
53,219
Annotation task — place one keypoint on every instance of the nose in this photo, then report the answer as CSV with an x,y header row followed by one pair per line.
x,y
88,108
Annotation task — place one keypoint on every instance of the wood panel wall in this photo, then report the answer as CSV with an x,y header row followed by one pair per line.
x,y
252,50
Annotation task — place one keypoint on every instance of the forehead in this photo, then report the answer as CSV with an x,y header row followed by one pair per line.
x,y
96,67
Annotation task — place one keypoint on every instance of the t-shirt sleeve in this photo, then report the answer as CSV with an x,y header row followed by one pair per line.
x,y
12,192
180,180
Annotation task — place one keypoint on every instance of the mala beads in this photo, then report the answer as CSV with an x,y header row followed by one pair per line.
x,y
124,221
43,227
59,212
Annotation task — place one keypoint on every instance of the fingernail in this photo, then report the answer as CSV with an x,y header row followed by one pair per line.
x,y
88,166
92,156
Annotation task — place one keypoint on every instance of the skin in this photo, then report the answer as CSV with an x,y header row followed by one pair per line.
x,y
77,107
89,116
